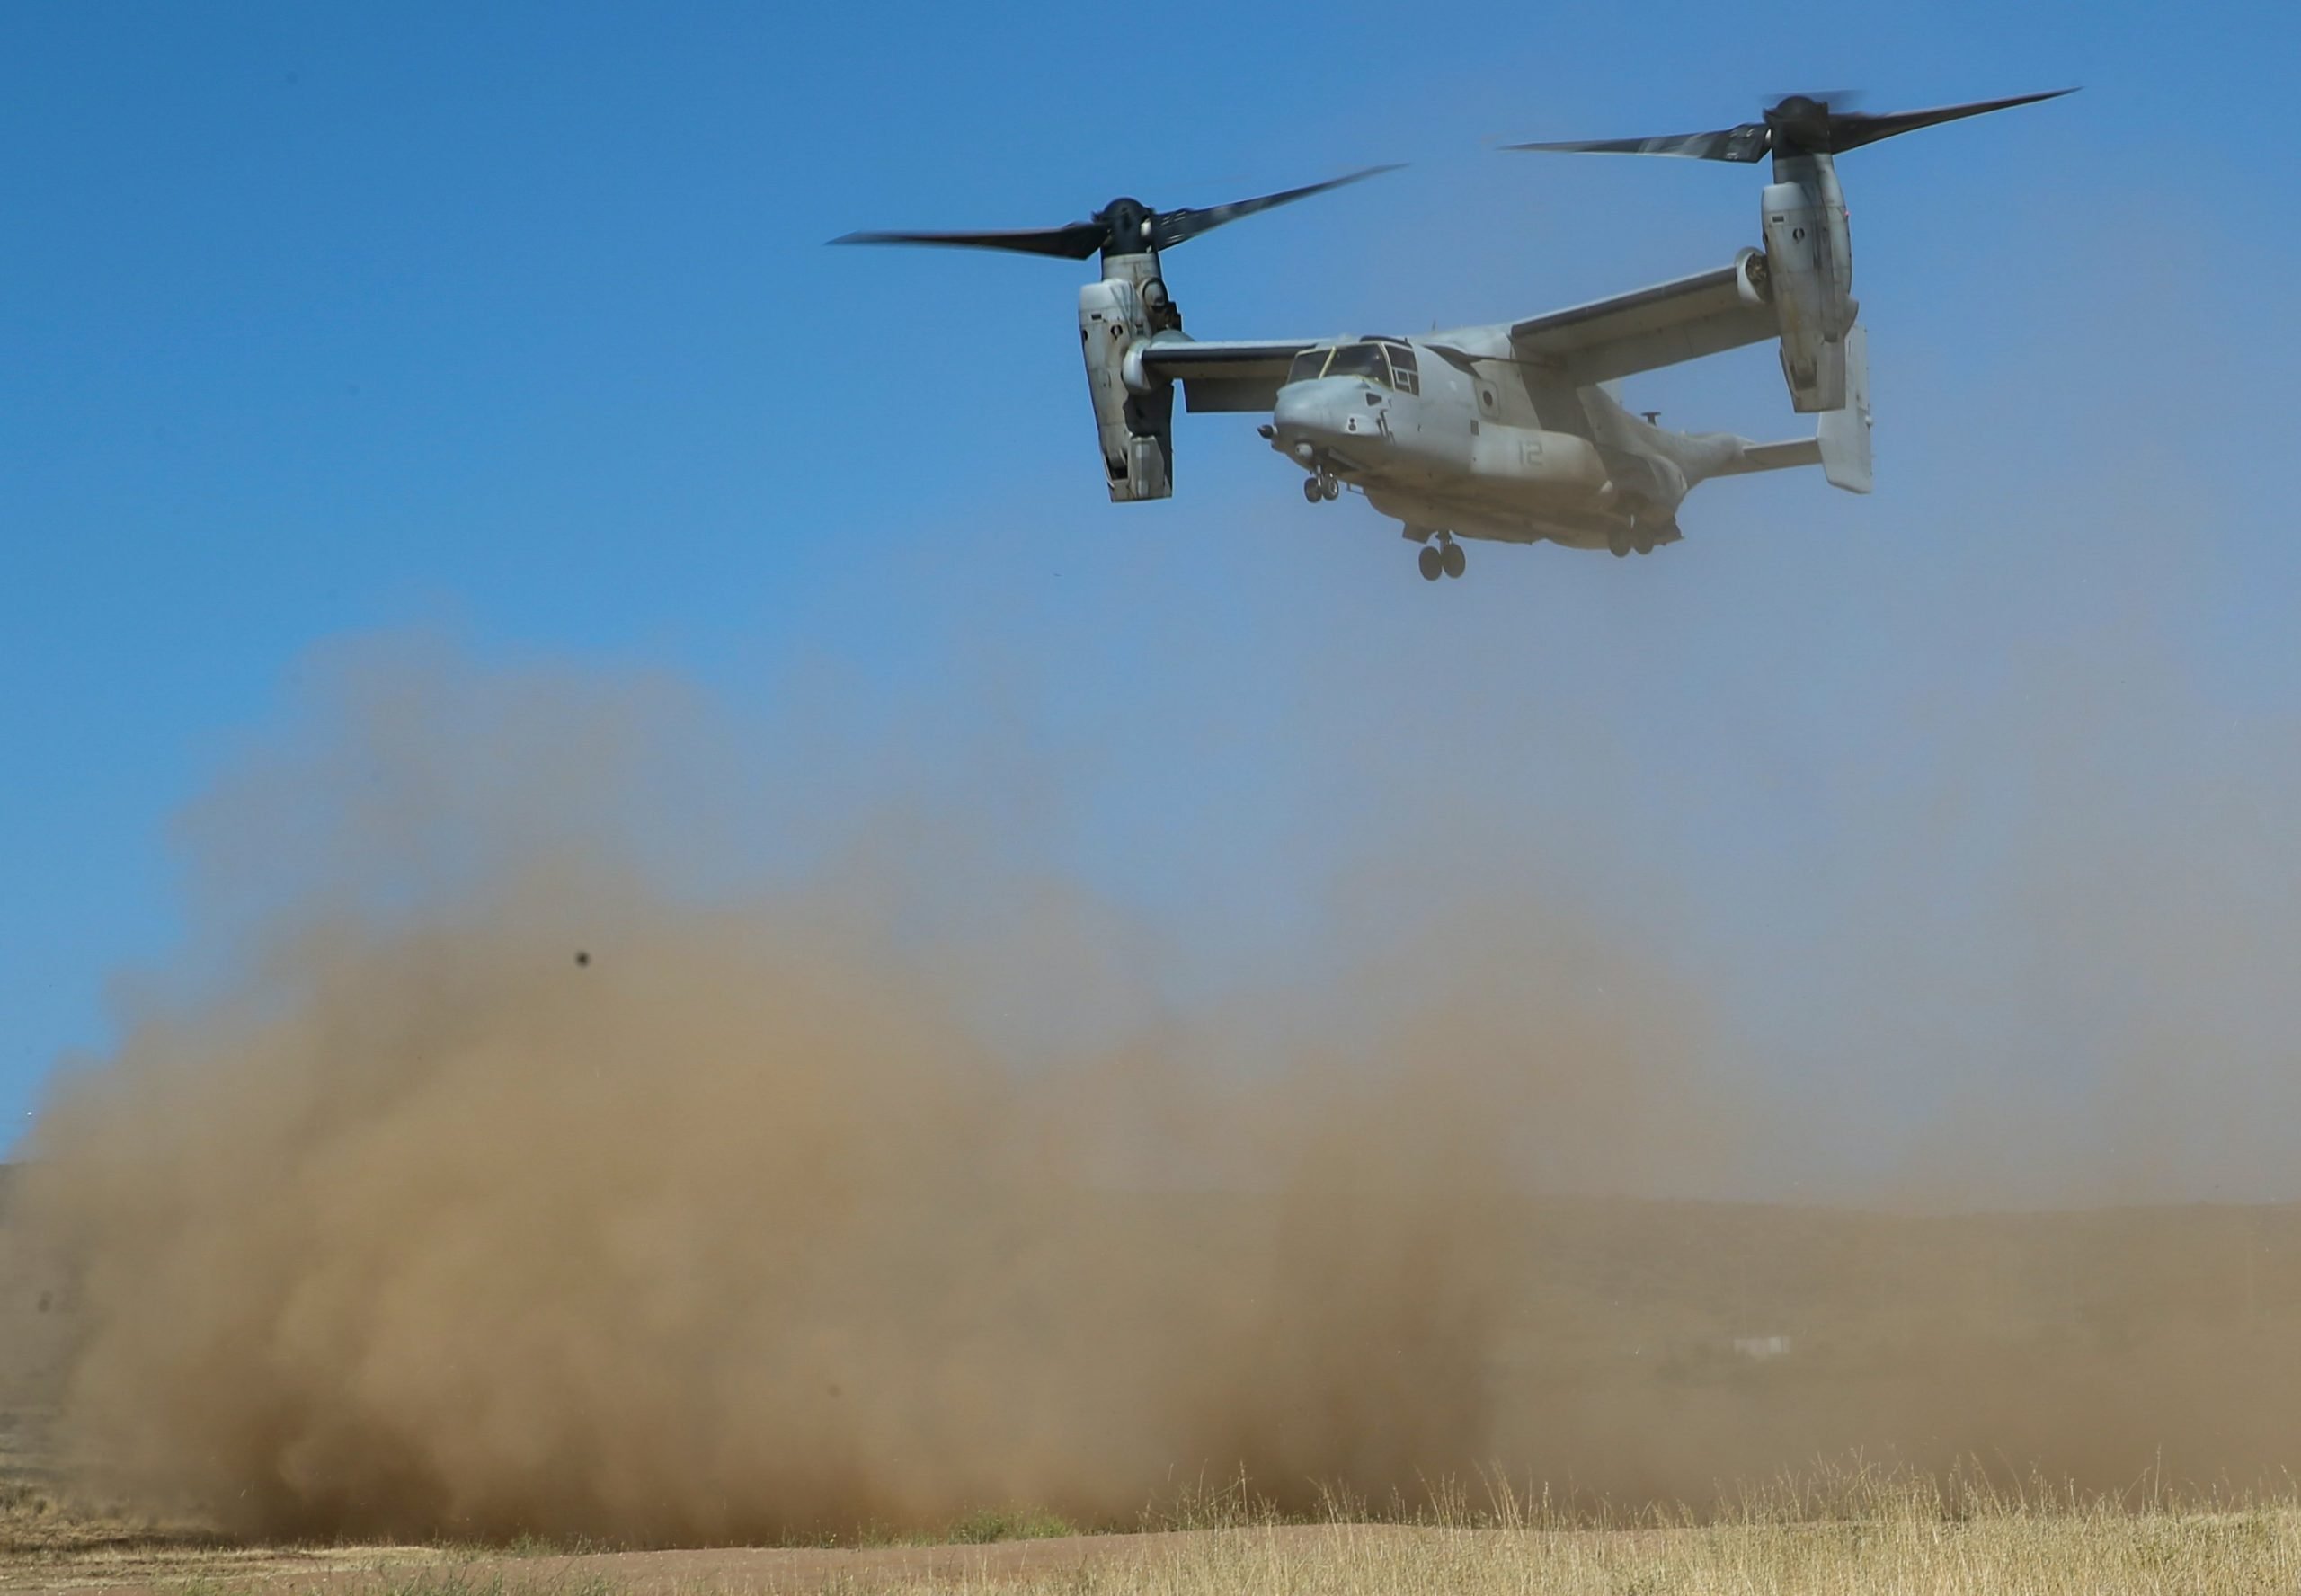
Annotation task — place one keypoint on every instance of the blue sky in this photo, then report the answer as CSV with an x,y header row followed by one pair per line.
x,y
516,325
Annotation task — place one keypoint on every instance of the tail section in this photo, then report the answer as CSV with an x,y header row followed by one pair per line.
x,y
1843,435
1840,442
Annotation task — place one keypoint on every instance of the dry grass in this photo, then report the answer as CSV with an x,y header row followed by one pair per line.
x,y
1848,1530
1887,1536
2048,1554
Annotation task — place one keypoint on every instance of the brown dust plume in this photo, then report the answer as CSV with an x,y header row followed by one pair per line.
x,y
497,1177
536,1139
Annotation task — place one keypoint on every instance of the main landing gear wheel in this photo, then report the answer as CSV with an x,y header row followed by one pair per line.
x,y
1431,563
1454,558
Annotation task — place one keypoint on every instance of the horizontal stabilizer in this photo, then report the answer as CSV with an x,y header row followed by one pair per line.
x,y
1841,443
1777,457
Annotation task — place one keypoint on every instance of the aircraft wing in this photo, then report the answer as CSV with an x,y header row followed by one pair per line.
x,y
1227,375
1664,326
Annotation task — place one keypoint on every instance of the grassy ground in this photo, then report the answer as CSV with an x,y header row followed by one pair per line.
x,y
2003,1553
1850,1531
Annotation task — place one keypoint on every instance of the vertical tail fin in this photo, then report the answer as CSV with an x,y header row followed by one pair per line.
x,y
1845,434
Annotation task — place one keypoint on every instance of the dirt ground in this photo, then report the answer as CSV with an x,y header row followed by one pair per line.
x,y
133,1566
1901,1538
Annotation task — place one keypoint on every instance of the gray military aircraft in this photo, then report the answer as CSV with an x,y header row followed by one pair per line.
x,y
1510,433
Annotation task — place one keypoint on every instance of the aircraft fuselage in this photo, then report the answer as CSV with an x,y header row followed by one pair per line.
x,y
1443,448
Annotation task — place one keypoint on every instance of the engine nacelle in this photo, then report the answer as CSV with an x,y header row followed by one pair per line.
x,y
1809,265
1136,424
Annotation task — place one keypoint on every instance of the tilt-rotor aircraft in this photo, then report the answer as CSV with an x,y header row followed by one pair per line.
x,y
1509,433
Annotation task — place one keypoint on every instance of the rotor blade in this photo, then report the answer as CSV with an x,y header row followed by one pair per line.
x,y
1855,129
1748,142
1171,227
1073,242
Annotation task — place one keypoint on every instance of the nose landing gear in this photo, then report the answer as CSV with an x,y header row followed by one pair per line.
x,y
1324,486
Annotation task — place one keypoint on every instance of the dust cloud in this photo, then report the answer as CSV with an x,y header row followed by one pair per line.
x,y
501,1174
557,1128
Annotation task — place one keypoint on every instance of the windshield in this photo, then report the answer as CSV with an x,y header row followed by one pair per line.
x,y
1308,364
1360,359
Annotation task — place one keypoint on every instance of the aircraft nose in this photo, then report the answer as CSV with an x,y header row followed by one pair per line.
x,y
1309,415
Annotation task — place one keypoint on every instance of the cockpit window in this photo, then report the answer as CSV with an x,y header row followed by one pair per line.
x,y
1374,358
1361,360
1307,365
1402,362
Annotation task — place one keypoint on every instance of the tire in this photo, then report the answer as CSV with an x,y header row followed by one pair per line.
x,y
1332,489
1432,564
1454,560
1311,490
